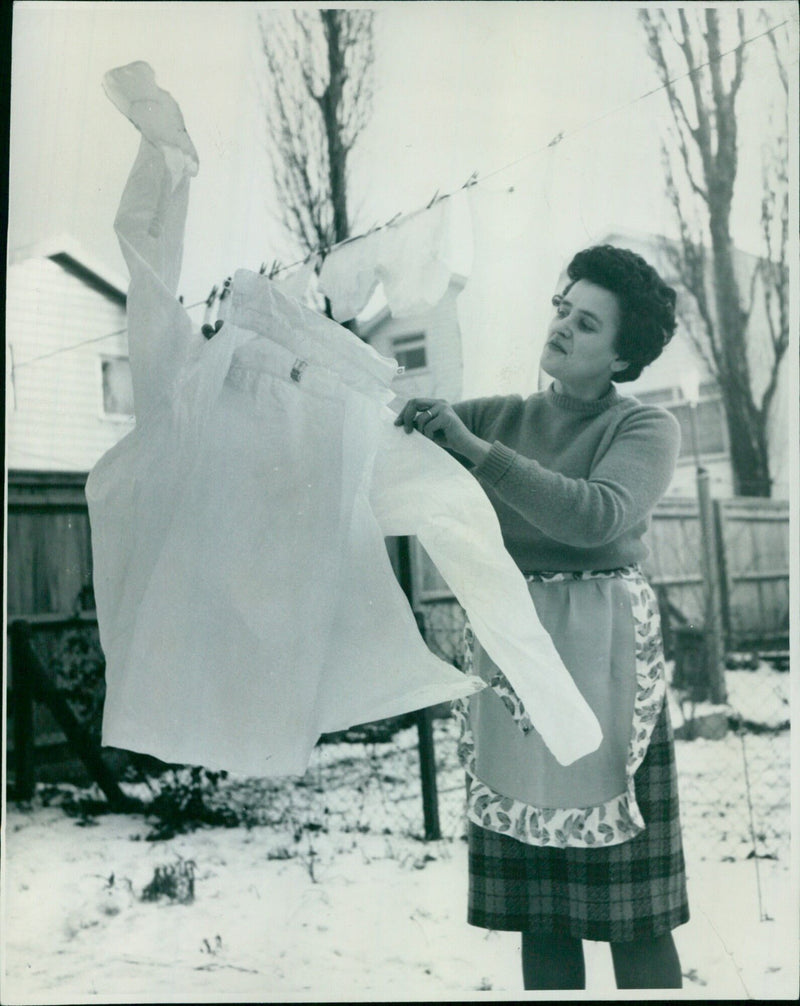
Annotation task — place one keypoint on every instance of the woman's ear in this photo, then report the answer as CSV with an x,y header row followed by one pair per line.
x,y
619,365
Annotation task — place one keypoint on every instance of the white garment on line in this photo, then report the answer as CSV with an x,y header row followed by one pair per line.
x,y
414,265
413,259
245,597
297,283
348,276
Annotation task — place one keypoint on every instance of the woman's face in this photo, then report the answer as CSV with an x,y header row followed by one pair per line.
x,y
580,351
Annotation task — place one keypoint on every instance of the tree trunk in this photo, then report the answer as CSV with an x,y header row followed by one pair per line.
x,y
748,446
746,424
331,103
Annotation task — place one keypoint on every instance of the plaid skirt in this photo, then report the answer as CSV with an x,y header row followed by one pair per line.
x,y
630,891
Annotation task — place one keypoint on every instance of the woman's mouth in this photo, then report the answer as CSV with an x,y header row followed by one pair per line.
x,y
557,347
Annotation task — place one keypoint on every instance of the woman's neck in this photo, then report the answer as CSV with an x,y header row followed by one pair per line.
x,y
588,392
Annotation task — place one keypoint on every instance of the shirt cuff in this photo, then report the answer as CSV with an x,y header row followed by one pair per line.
x,y
495,464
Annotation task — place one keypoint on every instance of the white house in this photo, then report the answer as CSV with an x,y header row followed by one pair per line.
x,y
68,388
427,346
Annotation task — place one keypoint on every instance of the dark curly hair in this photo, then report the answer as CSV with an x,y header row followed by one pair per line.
x,y
647,304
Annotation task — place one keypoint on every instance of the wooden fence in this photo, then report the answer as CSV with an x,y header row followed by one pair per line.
x,y
752,538
50,560
48,576
49,555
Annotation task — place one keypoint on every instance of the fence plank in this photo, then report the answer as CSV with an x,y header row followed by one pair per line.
x,y
753,548
755,532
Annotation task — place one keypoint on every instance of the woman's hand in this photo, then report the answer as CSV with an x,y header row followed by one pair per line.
x,y
436,419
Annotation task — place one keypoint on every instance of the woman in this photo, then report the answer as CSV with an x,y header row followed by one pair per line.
x,y
591,851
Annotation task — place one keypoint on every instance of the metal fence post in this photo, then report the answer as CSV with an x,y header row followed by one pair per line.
x,y
427,770
427,759
713,618
722,574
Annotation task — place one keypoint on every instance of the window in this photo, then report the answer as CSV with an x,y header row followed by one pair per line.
x,y
409,351
710,422
117,386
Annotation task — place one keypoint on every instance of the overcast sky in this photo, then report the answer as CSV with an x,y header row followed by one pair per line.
x,y
459,87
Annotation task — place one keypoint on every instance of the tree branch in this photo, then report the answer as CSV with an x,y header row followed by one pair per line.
x,y
319,65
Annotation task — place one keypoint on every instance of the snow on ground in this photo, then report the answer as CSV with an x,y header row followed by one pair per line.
x,y
333,895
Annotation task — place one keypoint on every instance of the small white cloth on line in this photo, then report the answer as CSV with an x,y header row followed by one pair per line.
x,y
413,259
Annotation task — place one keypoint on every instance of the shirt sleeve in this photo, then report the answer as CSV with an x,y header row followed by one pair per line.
x,y
629,478
150,225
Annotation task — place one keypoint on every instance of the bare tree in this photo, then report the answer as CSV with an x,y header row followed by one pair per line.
x,y
319,65
701,168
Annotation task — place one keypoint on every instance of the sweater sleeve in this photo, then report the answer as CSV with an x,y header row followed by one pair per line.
x,y
478,414
470,412
624,485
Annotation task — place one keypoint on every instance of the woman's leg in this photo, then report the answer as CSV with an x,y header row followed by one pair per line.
x,y
650,963
552,961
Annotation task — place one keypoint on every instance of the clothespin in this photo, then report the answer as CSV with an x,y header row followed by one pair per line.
x,y
224,298
315,259
180,298
274,269
556,140
435,197
212,296
390,222
262,269
209,331
472,180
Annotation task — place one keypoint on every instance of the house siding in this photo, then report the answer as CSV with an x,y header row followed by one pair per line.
x,y
442,376
54,419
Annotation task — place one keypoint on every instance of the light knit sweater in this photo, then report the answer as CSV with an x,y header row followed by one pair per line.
x,y
573,482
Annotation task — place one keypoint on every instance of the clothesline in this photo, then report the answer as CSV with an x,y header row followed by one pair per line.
x,y
472,181
554,142
85,342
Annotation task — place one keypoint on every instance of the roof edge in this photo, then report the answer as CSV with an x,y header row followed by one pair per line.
x,y
67,252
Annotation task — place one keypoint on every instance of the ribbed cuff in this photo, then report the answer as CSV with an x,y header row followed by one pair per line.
x,y
495,464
